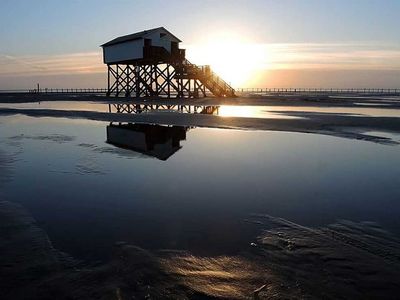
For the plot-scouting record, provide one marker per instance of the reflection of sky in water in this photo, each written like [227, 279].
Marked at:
[63, 105]
[88, 194]
[224, 110]
[271, 111]
[249, 111]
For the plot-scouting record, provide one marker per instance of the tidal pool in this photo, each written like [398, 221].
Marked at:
[247, 111]
[90, 184]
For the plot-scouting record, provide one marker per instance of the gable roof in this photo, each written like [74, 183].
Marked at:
[136, 36]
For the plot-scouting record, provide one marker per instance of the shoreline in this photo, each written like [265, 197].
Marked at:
[310, 100]
[339, 125]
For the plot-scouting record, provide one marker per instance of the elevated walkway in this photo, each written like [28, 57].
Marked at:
[215, 84]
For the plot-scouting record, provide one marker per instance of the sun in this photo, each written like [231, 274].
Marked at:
[237, 61]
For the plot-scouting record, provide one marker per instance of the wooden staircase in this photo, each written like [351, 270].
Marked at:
[215, 84]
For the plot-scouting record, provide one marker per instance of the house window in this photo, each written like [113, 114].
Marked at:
[162, 35]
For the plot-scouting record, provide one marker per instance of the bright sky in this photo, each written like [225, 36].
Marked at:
[258, 43]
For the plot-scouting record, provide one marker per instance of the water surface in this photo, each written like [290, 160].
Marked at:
[223, 110]
[88, 193]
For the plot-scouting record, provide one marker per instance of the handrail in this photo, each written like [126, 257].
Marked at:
[219, 81]
[58, 90]
[391, 91]
[210, 76]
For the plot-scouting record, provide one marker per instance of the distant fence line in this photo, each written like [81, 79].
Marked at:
[238, 90]
[57, 91]
[319, 90]
[79, 91]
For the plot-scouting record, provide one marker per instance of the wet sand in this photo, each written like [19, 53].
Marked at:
[341, 125]
[335, 124]
[287, 261]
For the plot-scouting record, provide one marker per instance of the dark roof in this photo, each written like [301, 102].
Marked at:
[136, 36]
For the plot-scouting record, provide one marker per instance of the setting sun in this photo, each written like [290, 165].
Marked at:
[234, 59]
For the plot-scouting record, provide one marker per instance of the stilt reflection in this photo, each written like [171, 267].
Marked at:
[141, 108]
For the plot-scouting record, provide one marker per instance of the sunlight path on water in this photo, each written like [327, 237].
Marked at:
[274, 112]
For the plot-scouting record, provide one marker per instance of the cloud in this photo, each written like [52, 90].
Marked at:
[322, 64]
[62, 64]
[325, 56]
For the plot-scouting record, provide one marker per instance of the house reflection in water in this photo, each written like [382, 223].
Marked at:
[142, 108]
[150, 139]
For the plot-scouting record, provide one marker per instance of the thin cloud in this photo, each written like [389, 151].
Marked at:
[335, 56]
[324, 56]
[21, 61]
[72, 63]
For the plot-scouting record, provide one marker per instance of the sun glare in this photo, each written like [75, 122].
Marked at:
[234, 59]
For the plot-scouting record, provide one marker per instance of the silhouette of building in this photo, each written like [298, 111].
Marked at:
[151, 64]
[152, 140]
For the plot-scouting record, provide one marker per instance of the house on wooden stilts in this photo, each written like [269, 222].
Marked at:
[151, 64]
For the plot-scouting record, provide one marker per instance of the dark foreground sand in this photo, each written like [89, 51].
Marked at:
[287, 261]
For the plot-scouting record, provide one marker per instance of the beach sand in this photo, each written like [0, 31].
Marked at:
[287, 261]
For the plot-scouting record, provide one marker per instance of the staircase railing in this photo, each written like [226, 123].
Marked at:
[209, 78]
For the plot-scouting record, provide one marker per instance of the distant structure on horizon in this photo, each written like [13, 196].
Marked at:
[151, 64]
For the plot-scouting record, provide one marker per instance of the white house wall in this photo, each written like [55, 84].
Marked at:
[124, 51]
[165, 41]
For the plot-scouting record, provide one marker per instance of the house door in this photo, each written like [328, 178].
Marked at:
[174, 47]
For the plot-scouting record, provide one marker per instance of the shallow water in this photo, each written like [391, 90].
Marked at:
[63, 105]
[223, 110]
[187, 188]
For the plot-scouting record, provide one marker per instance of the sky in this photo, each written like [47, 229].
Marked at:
[254, 43]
